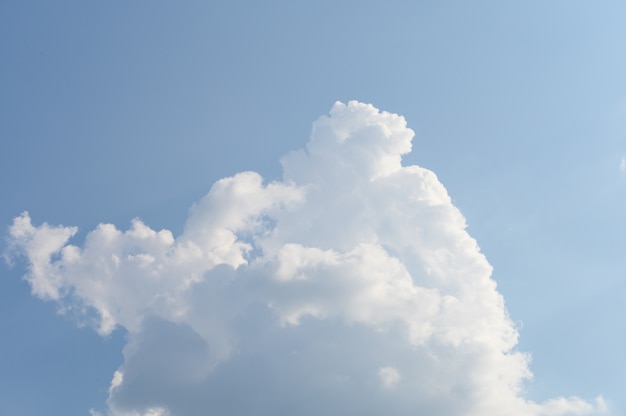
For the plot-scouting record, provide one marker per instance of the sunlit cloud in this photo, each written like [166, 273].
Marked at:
[350, 286]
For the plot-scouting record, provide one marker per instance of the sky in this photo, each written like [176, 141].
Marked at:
[306, 208]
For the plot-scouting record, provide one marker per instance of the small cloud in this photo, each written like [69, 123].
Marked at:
[118, 379]
[389, 377]
[156, 411]
[622, 164]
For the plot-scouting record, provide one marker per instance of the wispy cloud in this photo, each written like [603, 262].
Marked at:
[348, 287]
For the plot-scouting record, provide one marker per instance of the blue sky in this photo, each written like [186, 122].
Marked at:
[115, 111]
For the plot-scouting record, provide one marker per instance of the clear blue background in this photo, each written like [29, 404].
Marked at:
[116, 110]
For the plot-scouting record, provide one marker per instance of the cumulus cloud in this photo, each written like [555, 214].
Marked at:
[350, 286]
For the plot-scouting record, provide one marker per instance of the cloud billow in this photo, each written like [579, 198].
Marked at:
[351, 286]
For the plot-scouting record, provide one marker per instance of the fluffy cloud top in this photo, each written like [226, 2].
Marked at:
[349, 287]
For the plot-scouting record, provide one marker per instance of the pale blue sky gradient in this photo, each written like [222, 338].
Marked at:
[116, 110]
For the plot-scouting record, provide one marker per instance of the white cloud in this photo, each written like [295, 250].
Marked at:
[389, 377]
[118, 378]
[622, 165]
[286, 297]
